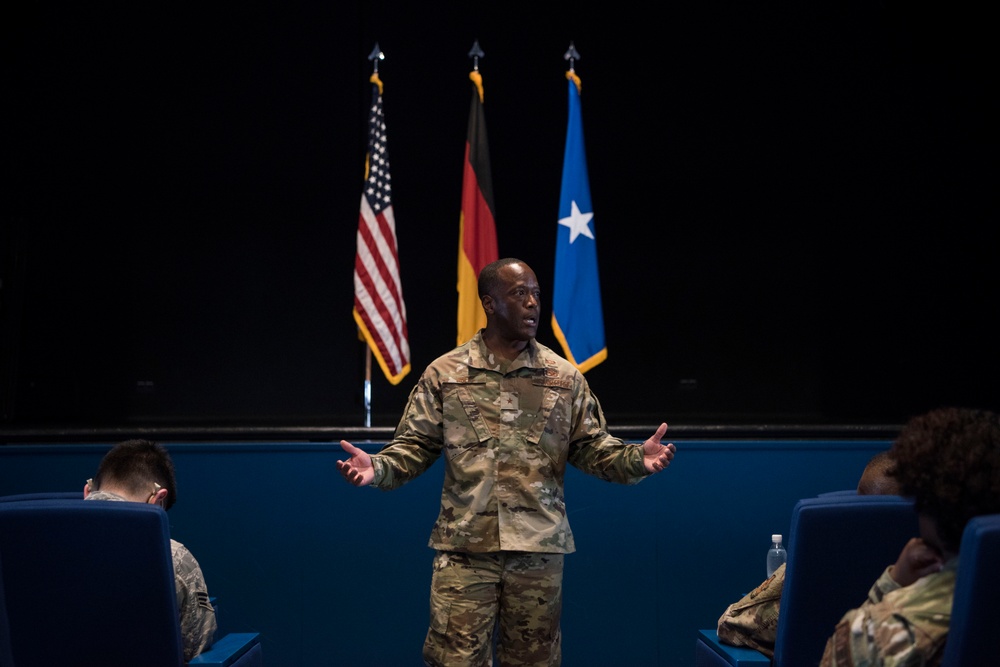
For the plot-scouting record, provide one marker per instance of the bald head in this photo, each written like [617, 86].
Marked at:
[877, 479]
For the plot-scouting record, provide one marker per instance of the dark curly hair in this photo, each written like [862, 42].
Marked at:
[948, 460]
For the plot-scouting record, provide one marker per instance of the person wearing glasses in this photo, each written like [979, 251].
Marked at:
[142, 471]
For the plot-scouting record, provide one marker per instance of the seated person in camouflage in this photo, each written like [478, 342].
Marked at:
[752, 621]
[948, 460]
[141, 471]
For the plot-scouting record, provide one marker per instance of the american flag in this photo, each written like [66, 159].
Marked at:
[378, 293]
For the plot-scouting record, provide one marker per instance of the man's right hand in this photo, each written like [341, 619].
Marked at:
[358, 469]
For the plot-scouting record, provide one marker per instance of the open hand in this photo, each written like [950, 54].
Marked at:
[655, 455]
[358, 469]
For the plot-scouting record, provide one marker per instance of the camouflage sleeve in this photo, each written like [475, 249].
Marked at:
[596, 452]
[753, 619]
[417, 442]
[896, 626]
[883, 585]
[197, 616]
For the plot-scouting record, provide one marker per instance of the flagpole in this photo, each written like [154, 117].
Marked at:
[374, 56]
[368, 386]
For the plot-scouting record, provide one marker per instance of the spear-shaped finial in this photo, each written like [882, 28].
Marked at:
[375, 56]
[571, 55]
[476, 53]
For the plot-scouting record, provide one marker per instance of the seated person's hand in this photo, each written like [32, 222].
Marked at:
[916, 560]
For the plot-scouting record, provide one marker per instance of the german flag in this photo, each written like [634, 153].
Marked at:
[477, 240]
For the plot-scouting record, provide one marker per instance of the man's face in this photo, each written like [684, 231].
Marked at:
[515, 305]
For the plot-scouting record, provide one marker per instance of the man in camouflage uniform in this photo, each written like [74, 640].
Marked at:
[948, 460]
[753, 619]
[507, 414]
[142, 471]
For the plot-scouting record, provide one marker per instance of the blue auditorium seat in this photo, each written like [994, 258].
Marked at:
[91, 584]
[6, 659]
[974, 612]
[838, 546]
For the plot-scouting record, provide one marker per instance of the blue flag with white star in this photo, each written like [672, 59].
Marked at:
[577, 319]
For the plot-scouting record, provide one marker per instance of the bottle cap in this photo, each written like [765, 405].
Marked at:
[776, 538]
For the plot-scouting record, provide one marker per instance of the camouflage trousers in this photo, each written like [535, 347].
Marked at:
[510, 599]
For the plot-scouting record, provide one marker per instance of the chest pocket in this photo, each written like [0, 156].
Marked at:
[465, 426]
[550, 408]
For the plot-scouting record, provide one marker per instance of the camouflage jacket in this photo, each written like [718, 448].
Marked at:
[753, 619]
[506, 431]
[197, 615]
[897, 626]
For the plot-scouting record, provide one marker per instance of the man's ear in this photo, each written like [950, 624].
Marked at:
[86, 488]
[487, 304]
[160, 498]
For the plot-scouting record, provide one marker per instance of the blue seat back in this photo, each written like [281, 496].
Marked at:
[88, 583]
[6, 659]
[975, 615]
[43, 495]
[838, 546]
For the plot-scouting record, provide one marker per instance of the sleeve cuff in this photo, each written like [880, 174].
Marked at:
[378, 466]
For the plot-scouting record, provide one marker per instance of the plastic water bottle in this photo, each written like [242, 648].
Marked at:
[776, 555]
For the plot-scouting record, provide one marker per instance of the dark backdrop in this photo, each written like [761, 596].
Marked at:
[795, 202]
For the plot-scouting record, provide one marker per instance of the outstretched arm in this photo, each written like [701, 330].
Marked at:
[358, 469]
[655, 455]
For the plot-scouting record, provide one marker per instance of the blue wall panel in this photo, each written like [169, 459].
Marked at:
[330, 574]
